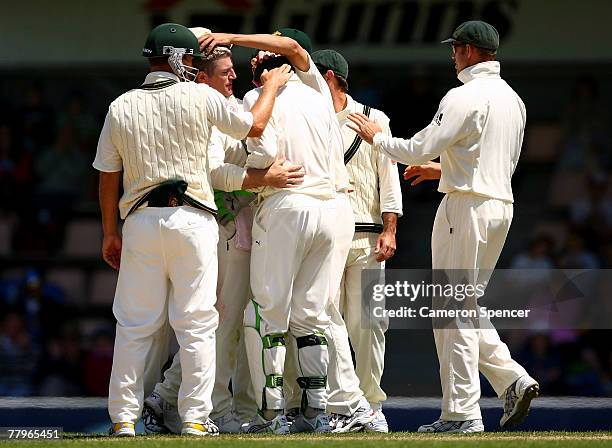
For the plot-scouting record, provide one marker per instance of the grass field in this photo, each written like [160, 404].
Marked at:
[358, 440]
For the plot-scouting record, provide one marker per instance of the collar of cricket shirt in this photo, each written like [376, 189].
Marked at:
[350, 108]
[153, 77]
[488, 69]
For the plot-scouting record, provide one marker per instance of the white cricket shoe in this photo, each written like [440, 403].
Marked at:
[278, 425]
[206, 429]
[354, 422]
[166, 414]
[228, 423]
[447, 426]
[319, 423]
[517, 399]
[122, 429]
[378, 423]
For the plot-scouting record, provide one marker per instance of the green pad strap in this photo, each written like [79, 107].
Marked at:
[312, 382]
[310, 340]
[273, 340]
[274, 380]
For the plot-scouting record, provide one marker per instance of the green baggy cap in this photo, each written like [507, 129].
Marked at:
[331, 60]
[165, 38]
[477, 33]
[299, 36]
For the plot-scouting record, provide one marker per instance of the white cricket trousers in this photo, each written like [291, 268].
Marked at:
[163, 248]
[344, 394]
[367, 339]
[469, 232]
[233, 293]
[293, 238]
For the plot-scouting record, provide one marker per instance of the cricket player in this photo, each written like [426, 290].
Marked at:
[349, 409]
[170, 233]
[293, 234]
[376, 203]
[227, 158]
[477, 132]
[231, 408]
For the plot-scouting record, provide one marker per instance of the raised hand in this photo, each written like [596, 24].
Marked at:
[364, 127]
[209, 41]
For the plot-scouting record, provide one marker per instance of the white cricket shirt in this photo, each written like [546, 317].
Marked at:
[373, 176]
[162, 133]
[303, 130]
[227, 156]
[313, 78]
[477, 132]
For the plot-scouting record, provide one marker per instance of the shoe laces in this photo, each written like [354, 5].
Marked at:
[445, 425]
[149, 418]
[337, 420]
[211, 427]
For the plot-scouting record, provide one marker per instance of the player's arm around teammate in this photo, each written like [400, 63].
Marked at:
[291, 292]
[349, 408]
[273, 43]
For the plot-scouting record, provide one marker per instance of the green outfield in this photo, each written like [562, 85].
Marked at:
[358, 440]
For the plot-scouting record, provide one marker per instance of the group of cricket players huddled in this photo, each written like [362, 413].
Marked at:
[247, 225]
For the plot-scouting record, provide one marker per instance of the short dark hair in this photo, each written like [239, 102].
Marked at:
[269, 64]
[342, 82]
[158, 60]
[485, 51]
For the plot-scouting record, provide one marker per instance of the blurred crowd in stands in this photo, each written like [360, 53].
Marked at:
[46, 347]
[56, 326]
[45, 160]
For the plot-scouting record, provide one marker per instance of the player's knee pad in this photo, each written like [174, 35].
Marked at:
[274, 351]
[313, 360]
[266, 353]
